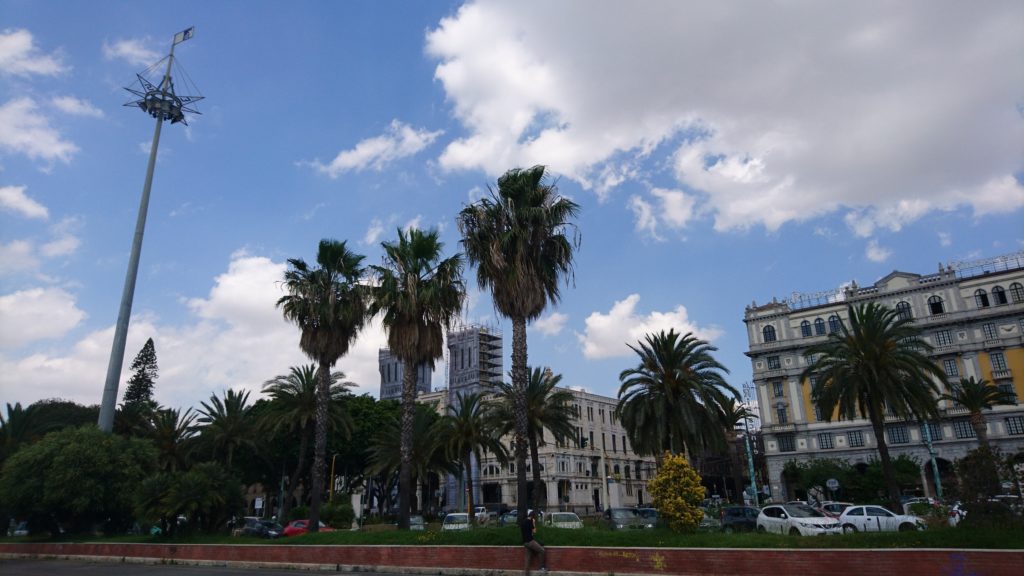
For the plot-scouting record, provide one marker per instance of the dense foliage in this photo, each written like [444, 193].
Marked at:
[677, 493]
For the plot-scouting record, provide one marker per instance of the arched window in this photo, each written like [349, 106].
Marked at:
[833, 324]
[819, 327]
[1017, 292]
[998, 296]
[616, 470]
[805, 329]
[935, 305]
[981, 298]
[769, 333]
[903, 310]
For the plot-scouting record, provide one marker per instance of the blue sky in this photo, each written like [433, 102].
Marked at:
[721, 153]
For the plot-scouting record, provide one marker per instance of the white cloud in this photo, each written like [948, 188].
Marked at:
[877, 253]
[37, 314]
[771, 120]
[14, 199]
[17, 256]
[550, 325]
[76, 107]
[676, 207]
[20, 57]
[945, 239]
[24, 130]
[63, 245]
[135, 51]
[398, 141]
[373, 232]
[607, 334]
[414, 223]
[643, 213]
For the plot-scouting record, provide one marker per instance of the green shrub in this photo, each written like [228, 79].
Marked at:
[677, 493]
[338, 514]
[298, 513]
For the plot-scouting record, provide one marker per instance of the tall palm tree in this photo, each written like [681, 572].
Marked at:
[547, 407]
[292, 411]
[517, 239]
[467, 433]
[976, 396]
[329, 306]
[173, 432]
[673, 399]
[22, 426]
[420, 296]
[877, 363]
[734, 414]
[226, 424]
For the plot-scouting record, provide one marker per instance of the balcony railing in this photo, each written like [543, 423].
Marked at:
[1002, 374]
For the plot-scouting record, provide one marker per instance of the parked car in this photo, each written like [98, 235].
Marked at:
[456, 521]
[253, 526]
[510, 518]
[481, 514]
[650, 517]
[834, 509]
[297, 527]
[911, 501]
[20, 530]
[564, 520]
[416, 522]
[796, 520]
[709, 523]
[877, 519]
[623, 518]
[738, 518]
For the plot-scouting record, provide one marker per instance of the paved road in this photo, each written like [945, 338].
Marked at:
[79, 568]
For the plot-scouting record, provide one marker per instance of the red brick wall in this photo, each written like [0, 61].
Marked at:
[691, 561]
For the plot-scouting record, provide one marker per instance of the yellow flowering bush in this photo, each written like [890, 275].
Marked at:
[677, 493]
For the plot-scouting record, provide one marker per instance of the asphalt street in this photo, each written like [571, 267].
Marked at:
[80, 568]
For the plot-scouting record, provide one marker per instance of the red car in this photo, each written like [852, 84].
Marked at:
[296, 527]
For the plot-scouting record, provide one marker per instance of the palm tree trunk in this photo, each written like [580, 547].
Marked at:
[535, 463]
[878, 425]
[469, 486]
[737, 465]
[980, 429]
[293, 482]
[519, 378]
[323, 399]
[408, 416]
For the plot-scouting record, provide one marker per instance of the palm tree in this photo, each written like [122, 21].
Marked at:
[734, 414]
[976, 396]
[466, 434]
[547, 407]
[420, 296]
[877, 364]
[226, 423]
[173, 433]
[329, 306]
[292, 411]
[673, 399]
[517, 240]
[22, 426]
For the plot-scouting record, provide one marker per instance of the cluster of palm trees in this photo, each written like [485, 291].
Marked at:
[520, 239]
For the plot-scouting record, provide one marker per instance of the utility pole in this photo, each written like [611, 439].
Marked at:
[746, 437]
[161, 103]
[931, 455]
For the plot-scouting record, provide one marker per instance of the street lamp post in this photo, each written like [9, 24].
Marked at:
[931, 455]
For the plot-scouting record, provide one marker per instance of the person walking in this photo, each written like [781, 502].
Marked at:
[529, 528]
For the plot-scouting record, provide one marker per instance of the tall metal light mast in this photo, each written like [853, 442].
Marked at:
[161, 103]
[746, 437]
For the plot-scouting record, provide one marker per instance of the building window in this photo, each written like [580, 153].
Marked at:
[819, 327]
[1017, 292]
[787, 443]
[805, 329]
[943, 338]
[989, 329]
[950, 367]
[897, 434]
[934, 430]
[963, 429]
[817, 413]
[626, 469]
[768, 333]
[781, 415]
[981, 298]
[855, 439]
[999, 296]
[773, 363]
[591, 439]
[903, 311]
[825, 441]
[615, 443]
[935, 305]
[1015, 425]
[1007, 388]
[998, 361]
[777, 391]
[833, 324]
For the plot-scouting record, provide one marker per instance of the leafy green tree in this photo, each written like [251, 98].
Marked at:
[207, 495]
[329, 306]
[369, 417]
[517, 239]
[976, 396]
[226, 424]
[79, 477]
[56, 413]
[22, 426]
[140, 386]
[420, 296]
[173, 434]
[467, 432]
[672, 400]
[877, 364]
[677, 492]
[547, 407]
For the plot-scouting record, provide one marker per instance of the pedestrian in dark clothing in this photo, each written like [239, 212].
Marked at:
[529, 527]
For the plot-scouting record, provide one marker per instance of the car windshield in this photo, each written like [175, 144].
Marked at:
[564, 517]
[415, 519]
[802, 511]
[456, 519]
[623, 513]
[271, 525]
[648, 512]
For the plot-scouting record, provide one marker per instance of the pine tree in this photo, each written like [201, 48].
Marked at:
[140, 386]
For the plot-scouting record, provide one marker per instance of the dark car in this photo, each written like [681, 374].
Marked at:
[623, 518]
[650, 517]
[739, 518]
[261, 528]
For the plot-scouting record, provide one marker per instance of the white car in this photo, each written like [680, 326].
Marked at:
[877, 519]
[456, 521]
[796, 520]
[564, 520]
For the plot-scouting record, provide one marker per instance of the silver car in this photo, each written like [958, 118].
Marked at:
[878, 519]
[565, 520]
[456, 521]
